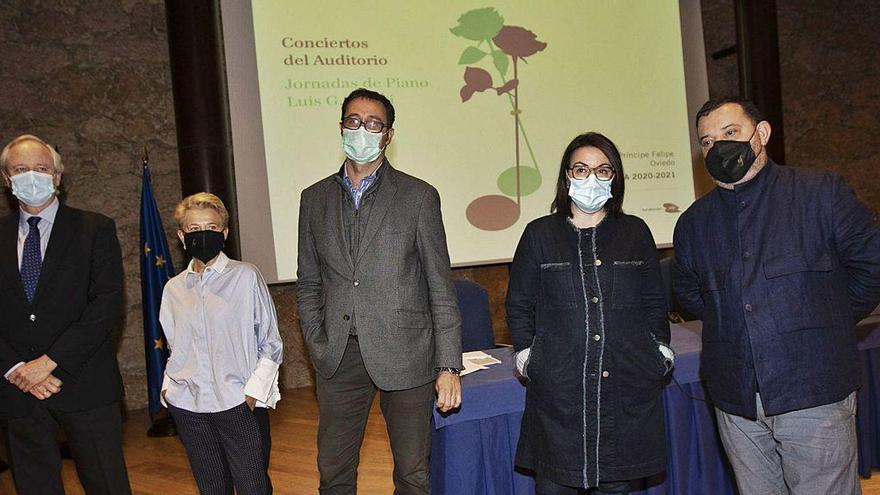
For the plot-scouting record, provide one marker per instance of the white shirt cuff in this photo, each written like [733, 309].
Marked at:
[522, 361]
[667, 352]
[263, 383]
[668, 356]
[6, 375]
[165, 383]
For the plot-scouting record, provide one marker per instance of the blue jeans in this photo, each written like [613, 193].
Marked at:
[804, 452]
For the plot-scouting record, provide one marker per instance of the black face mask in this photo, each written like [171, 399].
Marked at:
[203, 244]
[729, 161]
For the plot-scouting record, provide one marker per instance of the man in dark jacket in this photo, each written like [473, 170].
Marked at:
[61, 287]
[779, 263]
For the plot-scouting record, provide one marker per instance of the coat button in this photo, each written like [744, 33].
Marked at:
[597, 337]
[357, 282]
[605, 374]
[598, 262]
[595, 299]
[346, 317]
[33, 317]
[749, 308]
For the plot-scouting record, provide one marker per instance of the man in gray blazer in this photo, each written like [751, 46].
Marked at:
[377, 306]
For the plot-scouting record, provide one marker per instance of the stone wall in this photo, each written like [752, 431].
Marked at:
[830, 61]
[93, 78]
[829, 55]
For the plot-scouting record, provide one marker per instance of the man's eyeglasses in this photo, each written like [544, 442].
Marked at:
[354, 123]
[580, 171]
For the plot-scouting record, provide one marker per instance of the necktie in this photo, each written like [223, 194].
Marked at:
[31, 259]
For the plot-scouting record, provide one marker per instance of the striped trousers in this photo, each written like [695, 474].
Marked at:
[226, 449]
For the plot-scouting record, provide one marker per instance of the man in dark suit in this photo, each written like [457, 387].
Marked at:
[779, 263]
[61, 289]
[377, 307]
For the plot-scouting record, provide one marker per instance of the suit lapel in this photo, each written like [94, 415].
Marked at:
[384, 199]
[59, 240]
[9, 256]
[334, 216]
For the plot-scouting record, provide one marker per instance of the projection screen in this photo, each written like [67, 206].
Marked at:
[487, 97]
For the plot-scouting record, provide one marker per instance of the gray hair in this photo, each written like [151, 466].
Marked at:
[57, 164]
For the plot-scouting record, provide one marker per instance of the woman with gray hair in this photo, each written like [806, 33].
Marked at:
[222, 374]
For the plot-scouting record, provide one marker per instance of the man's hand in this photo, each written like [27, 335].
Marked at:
[250, 401]
[448, 391]
[47, 388]
[32, 373]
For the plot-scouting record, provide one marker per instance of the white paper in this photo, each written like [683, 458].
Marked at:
[476, 360]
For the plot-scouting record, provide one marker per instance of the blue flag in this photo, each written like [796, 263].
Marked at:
[156, 269]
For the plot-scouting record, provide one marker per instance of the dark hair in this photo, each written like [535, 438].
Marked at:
[748, 107]
[562, 203]
[370, 95]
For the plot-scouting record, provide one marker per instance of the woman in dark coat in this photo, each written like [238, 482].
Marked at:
[587, 314]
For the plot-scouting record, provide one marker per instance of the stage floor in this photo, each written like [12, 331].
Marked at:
[158, 466]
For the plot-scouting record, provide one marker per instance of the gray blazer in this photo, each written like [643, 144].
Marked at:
[398, 285]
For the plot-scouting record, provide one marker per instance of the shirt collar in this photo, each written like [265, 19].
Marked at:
[47, 215]
[219, 264]
[370, 177]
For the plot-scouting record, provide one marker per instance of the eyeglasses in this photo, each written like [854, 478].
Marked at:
[355, 123]
[581, 171]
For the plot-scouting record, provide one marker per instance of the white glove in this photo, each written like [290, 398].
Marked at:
[522, 361]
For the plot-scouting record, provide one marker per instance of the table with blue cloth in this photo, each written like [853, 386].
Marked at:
[473, 449]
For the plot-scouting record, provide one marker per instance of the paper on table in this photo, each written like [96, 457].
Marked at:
[476, 360]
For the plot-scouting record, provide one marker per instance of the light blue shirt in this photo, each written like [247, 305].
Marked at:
[358, 192]
[223, 336]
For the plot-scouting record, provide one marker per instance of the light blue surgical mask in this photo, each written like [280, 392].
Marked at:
[33, 188]
[360, 145]
[590, 194]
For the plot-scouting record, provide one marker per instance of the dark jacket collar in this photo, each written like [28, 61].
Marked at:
[604, 229]
[60, 239]
[753, 187]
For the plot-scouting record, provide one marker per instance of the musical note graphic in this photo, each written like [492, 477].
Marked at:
[505, 45]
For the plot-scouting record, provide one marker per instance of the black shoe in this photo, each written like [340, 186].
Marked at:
[163, 425]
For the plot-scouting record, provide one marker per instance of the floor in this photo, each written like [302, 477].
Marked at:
[159, 465]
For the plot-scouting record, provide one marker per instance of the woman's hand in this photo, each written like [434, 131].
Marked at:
[250, 401]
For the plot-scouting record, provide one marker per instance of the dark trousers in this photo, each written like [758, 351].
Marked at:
[95, 439]
[544, 486]
[344, 403]
[225, 450]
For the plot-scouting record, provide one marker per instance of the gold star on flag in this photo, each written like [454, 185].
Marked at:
[160, 261]
[147, 249]
[159, 343]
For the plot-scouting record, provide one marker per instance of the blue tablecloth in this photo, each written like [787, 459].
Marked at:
[472, 450]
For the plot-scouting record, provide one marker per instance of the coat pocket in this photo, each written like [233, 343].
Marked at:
[412, 319]
[557, 286]
[626, 284]
[797, 289]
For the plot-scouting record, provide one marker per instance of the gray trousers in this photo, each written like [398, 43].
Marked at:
[804, 452]
[344, 403]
